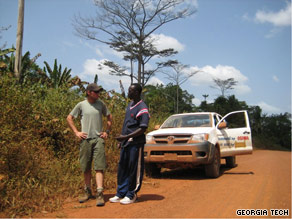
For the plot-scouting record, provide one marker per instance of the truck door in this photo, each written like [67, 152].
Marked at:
[235, 137]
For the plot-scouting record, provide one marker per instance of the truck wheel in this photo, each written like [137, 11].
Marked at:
[212, 170]
[152, 170]
[230, 161]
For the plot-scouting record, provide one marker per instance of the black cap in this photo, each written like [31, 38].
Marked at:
[94, 87]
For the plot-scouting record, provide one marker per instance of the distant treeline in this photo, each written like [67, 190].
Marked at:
[268, 131]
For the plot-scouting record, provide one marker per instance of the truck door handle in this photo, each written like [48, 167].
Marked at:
[246, 132]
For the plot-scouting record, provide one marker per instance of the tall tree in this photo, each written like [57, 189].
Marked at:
[128, 25]
[256, 119]
[161, 99]
[178, 76]
[224, 105]
[18, 53]
[205, 97]
[148, 53]
[224, 85]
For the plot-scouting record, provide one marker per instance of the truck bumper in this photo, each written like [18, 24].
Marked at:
[191, 154]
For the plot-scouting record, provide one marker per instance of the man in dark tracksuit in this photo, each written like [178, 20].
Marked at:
[132, 140]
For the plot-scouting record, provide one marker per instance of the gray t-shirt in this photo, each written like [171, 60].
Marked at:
[91, 116]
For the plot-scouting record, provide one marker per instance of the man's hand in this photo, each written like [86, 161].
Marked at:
[121, 138]
[104, 135]
[81, 135]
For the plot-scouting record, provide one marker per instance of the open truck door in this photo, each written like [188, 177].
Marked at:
[234, 134]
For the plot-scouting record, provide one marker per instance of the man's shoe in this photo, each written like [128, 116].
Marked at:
[86, 196]
[127, 200]
[115, 199]
[99, 199]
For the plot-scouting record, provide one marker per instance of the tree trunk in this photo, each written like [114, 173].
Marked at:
[177, 98]
[19, 38]
[140, 58]
[132, 71]
[139, 69]
[143, 75]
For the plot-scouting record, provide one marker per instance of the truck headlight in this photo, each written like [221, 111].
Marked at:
[199, 138]
[150, 139]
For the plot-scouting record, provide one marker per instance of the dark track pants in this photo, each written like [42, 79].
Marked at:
[130, 170]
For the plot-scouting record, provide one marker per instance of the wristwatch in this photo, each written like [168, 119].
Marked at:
[107, 131]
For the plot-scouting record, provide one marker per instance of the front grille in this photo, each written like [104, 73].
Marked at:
[181, 141]
[182, 153]
[172, 139]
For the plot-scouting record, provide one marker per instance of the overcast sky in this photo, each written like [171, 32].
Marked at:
[248, 40]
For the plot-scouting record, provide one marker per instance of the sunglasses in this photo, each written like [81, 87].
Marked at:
[97, 92]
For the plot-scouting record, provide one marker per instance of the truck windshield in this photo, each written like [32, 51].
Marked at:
[181, 121]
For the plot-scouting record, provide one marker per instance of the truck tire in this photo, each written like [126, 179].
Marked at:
[152, 170]
[230, 161]
[212, 170]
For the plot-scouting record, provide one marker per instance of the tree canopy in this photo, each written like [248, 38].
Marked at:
[224, 85]
[162, 99]
[127, 26]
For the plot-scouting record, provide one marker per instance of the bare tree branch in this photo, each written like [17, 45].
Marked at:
[224, 85]
[178, 76]
[127, 27]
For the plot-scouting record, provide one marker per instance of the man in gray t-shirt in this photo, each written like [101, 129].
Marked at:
[91, 117]
[92, 138]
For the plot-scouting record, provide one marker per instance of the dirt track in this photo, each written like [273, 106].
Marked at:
[260, 181]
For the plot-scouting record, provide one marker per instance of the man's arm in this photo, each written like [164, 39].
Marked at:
[143, 116]
[138, 132]
[108, 127]
[80, 135]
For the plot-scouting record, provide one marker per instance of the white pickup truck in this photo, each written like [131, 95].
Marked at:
[192, 139]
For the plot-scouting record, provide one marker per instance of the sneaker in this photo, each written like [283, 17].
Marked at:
[127, 200]
[86, 196]
[115, 199]
[99, 199]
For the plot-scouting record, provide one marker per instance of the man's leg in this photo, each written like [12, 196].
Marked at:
[99, 179]
[122, 177]
[136, 170]
[99, 166]
[85, 163]
[87, 178]
[135, 174]
[123, 173]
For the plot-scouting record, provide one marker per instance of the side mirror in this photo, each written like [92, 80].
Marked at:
[222, 125]
[156, 127]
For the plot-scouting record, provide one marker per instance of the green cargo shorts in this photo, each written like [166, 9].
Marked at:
[92, 150]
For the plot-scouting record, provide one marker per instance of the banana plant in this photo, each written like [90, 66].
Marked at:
[29, 69]
[76, 81]
[56, 77]
[95, 79]
[6, 51]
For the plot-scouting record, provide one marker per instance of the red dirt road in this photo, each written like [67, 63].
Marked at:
[260, 181]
